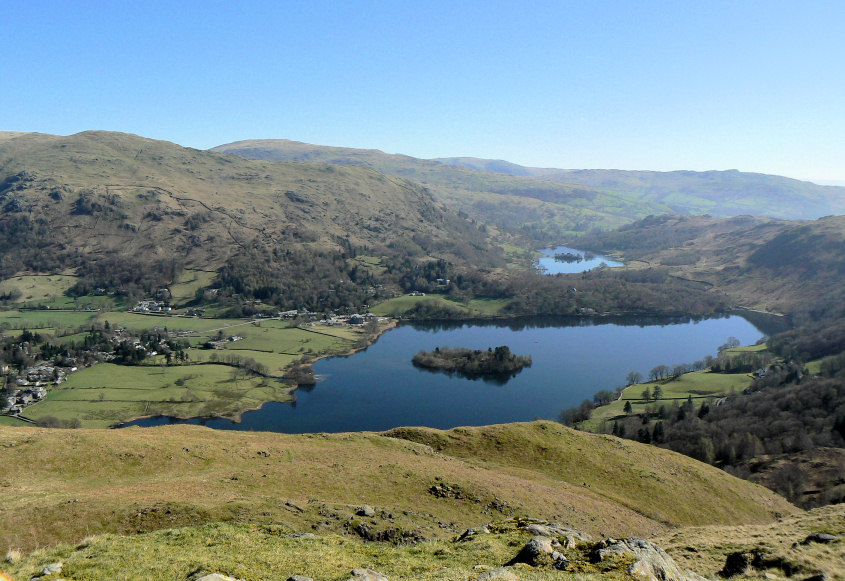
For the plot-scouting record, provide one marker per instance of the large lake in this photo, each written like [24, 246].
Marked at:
[379, 388]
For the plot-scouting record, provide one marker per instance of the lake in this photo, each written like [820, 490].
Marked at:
[547, 263]
[379, 388]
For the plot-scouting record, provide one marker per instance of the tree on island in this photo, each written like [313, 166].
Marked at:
[472, 362]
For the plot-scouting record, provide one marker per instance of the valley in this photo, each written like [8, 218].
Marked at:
[146, 283]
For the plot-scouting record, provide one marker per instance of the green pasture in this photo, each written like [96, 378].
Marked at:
[43, 319]
[36, 288]
[189, 282]
[138, 321]
[12, 421]
[106, 394]
[698, 384]
[482, 307]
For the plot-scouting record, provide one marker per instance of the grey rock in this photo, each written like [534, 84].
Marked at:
[500, 573]
[559, 561]
[301, 536]
[366, 511]
[366, 575]
[532, 552]
[52, 568]
[217, 577]
[819, 538]
[474, 532]
[299, 578]
[570, 537]
[652, 564]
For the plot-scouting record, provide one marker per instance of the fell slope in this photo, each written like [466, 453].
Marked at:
[495, 198]
[97, 193]
[62, 485]
[772, 265]
[720, 193]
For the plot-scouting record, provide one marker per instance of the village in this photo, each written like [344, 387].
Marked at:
[31, 370]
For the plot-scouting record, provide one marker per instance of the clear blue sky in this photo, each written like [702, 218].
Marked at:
[756, 86]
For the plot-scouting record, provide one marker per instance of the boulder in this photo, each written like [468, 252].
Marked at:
[53, 568]
[736, 564]
[217, 577]
[570, 537]
[299, 578]
[652, 563]
[366, 511]
[366, 575]
[534, 552]
[500, 573]
[819, 538]
[474, 532]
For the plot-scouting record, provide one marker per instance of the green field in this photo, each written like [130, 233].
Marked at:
[44, 319]
[478, 307]
[36, 288]
[701, 385]
[189, 282]
[106, 394]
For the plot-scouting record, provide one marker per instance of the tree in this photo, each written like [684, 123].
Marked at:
[633, 377]
[658, 392]
[647, 394]
[628, 408]
[603, 397]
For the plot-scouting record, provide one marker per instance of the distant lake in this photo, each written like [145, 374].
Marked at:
[379, 388]
[549, 265]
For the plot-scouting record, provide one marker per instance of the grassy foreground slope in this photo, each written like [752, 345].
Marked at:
[62, 485]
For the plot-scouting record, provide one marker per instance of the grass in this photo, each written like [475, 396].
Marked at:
[106, 394]
[189, 282]
[37, 288]
[269, 552]
[779, 541]
[698, 384]
[63, 485]
[479, 307]
[46, 318]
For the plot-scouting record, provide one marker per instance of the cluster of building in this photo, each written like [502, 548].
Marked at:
[30, 386]
[151, 306]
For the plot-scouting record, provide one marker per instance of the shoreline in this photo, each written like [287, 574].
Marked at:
[236, 417]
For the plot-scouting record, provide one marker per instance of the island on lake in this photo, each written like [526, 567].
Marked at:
[473, 362]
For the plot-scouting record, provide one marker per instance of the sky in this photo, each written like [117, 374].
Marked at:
[754, 86]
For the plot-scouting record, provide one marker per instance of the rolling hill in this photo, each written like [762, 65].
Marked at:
[719, 193]
[100, 201]
[62, 485]
[533, 206]
[560, 200]
[774, 265]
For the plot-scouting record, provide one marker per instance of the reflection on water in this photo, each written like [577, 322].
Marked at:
[379, 388]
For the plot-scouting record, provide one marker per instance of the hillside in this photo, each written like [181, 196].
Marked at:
[135, 205]
[436, 483]
[534, 206]
[719, 193]
[773, 265]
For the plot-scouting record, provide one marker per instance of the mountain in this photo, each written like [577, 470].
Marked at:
[95, 197]
[526, 204]
[719, 193]
[774, 265]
